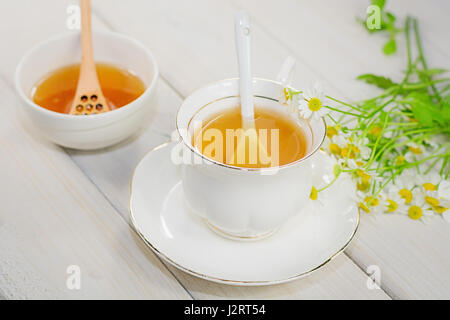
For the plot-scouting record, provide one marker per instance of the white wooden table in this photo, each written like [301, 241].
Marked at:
[62, 207]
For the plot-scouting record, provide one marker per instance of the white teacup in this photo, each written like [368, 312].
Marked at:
[244, 203]
[90, 132]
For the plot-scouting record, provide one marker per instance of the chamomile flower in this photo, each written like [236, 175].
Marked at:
[414, 152]
[430, 181]
[352, 163]
[399, 160]
[364, 151]
[392, 202]
[336, 144]
[340, 139]
[289, 99]
[403, 186]
[285, 95]
[418, 208]
[432, 198]
[312, 103]
[414, 148]
[333, 130]
[364, 180]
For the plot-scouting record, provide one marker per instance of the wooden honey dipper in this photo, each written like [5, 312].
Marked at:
[89, 98]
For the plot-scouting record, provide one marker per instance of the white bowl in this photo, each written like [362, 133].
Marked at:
[96, 131]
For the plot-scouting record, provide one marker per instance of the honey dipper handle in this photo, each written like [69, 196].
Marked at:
[88, 72]
[89, 98]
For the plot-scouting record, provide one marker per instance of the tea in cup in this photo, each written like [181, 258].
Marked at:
[276, 139]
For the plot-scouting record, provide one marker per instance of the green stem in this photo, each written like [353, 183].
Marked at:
[345, 112]
[414, 164]
[332, 181]
[345, 104]
[384, 185]
[422, 58]
[389, 146]
[369, 163]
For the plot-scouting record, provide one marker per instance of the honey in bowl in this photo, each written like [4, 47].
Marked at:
[278, 139]
[56, 91]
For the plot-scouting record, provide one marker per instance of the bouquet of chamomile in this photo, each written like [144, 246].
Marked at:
[396, 145]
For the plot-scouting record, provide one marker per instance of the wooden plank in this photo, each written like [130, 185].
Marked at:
[413, 257]
[340, 279]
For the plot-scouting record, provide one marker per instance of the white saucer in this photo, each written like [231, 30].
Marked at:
[299, 247]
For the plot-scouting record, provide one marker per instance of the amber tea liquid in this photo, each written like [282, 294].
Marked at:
[218, 138]
[56, 91]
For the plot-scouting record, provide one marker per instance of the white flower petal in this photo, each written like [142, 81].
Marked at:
[444, 189]
[446, 216]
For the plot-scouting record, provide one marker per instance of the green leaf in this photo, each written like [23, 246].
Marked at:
[390, 47]
[446, 88]
[422, 115]
[445, 112]
[431, 72]
[423, 108]
[390, 17]
[379, 81]
[379, 3]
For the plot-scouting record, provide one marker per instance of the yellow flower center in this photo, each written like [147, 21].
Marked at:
[400, 160]
[375, 131]
[414, 150]
[313, 194]
[440, 209]
[364, 176]
[429, 186]
[363, 185]
[415, 212]
[314, 104]
[331, 131]
[406, 195]
[350, 151]
[286, 94]
[432, 201]
[392, 206]
[371, 201]
[334, 148]
[364, 207]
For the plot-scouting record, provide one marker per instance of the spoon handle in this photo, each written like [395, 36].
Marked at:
[242, 35]
[89, 98]
[88, 71]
